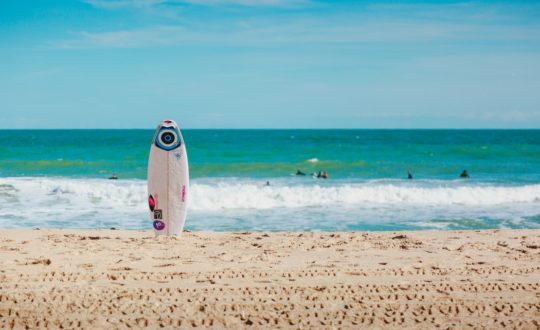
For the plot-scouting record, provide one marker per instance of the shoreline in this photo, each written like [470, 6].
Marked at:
[399, 279]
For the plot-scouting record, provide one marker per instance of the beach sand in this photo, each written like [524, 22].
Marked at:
[129, 279]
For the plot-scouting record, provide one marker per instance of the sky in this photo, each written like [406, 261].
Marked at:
[269, 64]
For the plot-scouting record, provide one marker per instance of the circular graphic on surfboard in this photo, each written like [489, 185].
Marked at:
[168, 138]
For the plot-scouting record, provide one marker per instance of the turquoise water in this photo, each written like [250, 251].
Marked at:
[57, 178]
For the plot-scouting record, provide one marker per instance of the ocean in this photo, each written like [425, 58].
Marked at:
[59, 179]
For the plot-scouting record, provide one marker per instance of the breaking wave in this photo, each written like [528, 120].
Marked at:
[96, 202]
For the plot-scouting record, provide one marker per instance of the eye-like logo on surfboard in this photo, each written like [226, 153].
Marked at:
[168, 137]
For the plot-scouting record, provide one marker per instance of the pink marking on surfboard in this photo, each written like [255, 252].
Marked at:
[151, 203]
[183, 193]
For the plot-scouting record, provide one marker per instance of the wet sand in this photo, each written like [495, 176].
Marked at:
[129, 279]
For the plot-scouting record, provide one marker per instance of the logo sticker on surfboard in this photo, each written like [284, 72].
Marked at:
[159, 225]
[151, 203]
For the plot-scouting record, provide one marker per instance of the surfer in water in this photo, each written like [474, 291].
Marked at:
[409, 174]
[298, 172]
[322, 175]
[464, 175]
[113, 177]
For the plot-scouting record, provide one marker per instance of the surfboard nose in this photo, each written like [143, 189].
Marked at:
[168, 123]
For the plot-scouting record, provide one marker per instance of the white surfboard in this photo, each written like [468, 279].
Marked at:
[168, 180]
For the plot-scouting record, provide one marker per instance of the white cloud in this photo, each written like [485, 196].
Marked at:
[513, 115]
[380, 23]
[249, 3]
[118, 4]
[144, 37]
[292, 30]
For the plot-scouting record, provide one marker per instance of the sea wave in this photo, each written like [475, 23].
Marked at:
[242, 204]
[251, 196]
[222, 194]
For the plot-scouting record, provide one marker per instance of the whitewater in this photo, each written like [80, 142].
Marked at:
[287, 204]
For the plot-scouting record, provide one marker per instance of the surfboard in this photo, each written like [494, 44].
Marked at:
[168, 180]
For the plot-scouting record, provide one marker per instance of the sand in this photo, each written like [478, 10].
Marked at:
[128, 279]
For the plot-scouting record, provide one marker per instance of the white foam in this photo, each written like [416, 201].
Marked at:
[313, 160]
[255, 196]
[23, 200]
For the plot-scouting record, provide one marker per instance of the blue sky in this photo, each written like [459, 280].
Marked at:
[269, 64]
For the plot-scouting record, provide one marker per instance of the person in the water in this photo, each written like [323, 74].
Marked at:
[298, 172]
[409, 174]
[464, 175]
[113, 177]
[322, 175]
